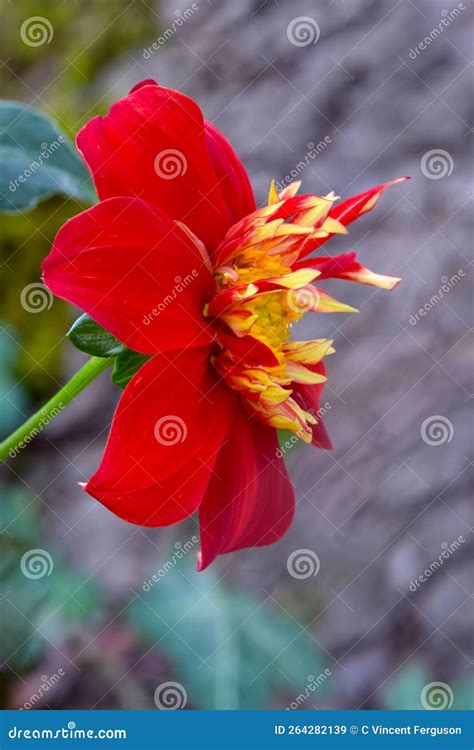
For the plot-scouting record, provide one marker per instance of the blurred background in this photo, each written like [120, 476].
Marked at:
[366, 602]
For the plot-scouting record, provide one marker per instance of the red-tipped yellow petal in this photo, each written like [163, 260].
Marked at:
[298, 373]
[308, 352]
[364, 275]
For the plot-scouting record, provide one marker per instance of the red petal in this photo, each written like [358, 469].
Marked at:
[309, 398]
[250, 500]
[346, 267]
[352, 208]
[166, 433]
[233, 178]
[136, 272]
[246, 350]
[327, 265]
[141, 84]
[152, 145]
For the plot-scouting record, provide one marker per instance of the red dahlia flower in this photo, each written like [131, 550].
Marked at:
[178, 262]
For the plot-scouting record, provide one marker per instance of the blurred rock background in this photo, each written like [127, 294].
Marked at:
[344, 95]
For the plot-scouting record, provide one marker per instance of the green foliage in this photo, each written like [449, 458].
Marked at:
[229, 650]
[58, 78]
[405, 690]
[35, 612]
[89, 337]
[26, 240]
[126, 365]
[85, 38]
[37, 160]
[13, 399]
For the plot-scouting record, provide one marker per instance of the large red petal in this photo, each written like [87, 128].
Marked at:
[231, 173]
[152, 145]
[249, 501]
[166, 434]
[233, 178]
[136, 272]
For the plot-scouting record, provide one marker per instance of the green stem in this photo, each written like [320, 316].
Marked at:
[33, 426]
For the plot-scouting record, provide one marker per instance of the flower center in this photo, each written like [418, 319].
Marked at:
[257, 305]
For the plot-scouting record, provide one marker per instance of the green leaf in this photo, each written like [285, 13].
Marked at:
[13, 397]
[89, 337]
[229, 649]
[126, 365]
[37, 612]
[37, 160]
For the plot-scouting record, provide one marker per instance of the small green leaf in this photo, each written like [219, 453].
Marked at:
[126, 365]
[89, 337]
[37, 160]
